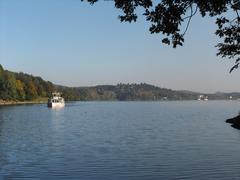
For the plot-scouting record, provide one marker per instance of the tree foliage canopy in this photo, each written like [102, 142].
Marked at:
[171, 18]
[20, 86]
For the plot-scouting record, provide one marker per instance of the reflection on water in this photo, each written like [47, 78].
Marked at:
[120, 140]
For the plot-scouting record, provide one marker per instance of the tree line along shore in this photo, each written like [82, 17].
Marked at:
[22, 88]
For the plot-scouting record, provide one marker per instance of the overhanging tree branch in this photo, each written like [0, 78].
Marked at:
[167, 16]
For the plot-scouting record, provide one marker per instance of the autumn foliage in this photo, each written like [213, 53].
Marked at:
[20, 86]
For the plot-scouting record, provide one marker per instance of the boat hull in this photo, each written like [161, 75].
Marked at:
[56, 105]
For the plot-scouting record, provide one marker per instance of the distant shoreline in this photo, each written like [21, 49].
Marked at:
[8, 103]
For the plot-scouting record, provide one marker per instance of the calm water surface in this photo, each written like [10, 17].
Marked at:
[120, 140]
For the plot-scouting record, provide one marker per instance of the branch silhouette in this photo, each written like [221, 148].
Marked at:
[167, 17]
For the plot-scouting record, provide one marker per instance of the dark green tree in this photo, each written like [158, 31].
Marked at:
[171, 18]
[9, 86]
[1, 78]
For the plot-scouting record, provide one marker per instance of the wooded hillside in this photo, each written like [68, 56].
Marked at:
[22, 87]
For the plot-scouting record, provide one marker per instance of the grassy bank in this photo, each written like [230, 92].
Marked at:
[41, 100]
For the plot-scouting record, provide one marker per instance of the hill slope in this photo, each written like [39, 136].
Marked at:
[125, 92]
[21, 86]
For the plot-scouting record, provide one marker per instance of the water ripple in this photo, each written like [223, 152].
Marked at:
[120, 140]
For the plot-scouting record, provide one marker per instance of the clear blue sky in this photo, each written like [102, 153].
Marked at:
[72, 43]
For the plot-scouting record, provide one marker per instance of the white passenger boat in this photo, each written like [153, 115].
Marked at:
[56, 101]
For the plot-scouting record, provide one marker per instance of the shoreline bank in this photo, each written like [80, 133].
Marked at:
[7, 103]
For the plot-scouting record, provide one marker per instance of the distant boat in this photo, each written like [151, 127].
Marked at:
[56, 101]
[203, 98]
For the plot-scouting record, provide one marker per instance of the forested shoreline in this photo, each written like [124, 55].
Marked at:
[21, 87]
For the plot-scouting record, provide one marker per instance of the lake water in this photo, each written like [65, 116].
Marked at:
[120, 140]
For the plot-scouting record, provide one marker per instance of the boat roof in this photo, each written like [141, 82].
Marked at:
[56, 94]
